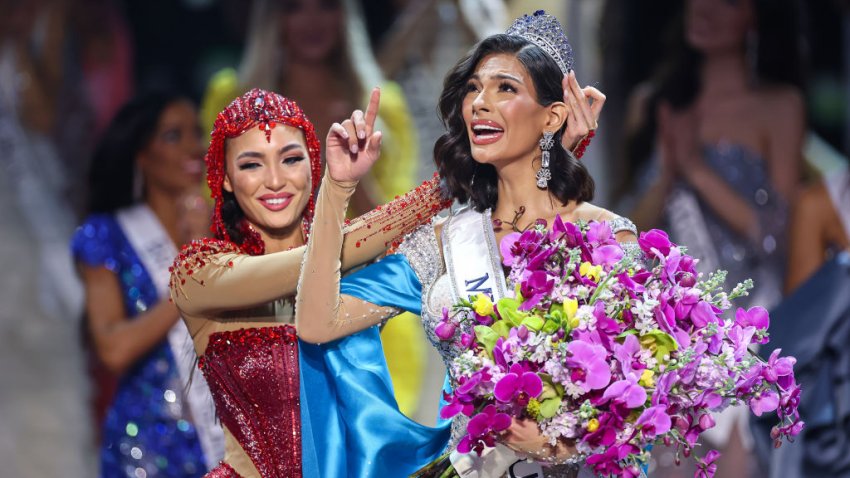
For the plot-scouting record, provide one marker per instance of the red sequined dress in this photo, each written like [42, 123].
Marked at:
[243, 304]
[253, 377]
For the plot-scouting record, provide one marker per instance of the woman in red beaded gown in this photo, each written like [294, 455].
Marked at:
[236, 292]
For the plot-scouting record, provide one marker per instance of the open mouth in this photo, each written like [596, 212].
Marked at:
[276, 202]
[486, 132]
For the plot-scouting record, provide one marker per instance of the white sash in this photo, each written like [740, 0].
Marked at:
[474, 264]
[472, 256]
[156, 252]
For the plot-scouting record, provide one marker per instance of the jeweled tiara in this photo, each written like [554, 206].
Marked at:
[545, 31]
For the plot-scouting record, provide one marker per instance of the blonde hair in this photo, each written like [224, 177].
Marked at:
[264, 59]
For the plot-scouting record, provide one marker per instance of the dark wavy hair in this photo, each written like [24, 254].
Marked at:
[113, 167]
[469, 181]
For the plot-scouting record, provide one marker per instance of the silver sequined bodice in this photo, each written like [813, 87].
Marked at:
[423, 252]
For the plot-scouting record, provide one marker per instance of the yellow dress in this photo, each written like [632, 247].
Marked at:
[403, 338]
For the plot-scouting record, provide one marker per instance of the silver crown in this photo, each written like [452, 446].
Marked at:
[545, 31]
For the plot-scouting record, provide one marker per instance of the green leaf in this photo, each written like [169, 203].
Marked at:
[502, 327]
[486, 337]
[549, 389]
[659, 342]
[549, 407]
[551, 326]
[625, 334]
[533, 322]
[508, 310]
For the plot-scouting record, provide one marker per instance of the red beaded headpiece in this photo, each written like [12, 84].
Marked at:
[263, 109]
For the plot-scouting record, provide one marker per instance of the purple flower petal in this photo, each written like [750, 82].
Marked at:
[607, 255]
[655, 239]
[506, 388]
[506, 248]
[531, 384]
[766, 401]
[501, 421]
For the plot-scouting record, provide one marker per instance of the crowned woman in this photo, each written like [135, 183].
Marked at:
[503, 160]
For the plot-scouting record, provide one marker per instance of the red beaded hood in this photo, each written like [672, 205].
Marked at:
[265, 110]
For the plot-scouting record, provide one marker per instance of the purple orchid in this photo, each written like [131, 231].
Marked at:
[703, 314]
[534, 289]
[445, 330]
[779, 370]
[483, 429]
[606, 434]
[462, 398]
[626, 354]
[607, 255]
[608, 462]
[573, 235]
[599, 233]
[506, 247]
[706, 468]
[654, 421]
[518, 386]
[756, 317]
[590, 369]
[655, 243]
[466, 340]
[626, 392]
[764, 401]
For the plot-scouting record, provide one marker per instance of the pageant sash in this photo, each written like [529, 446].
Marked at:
[474, 265]
[472, 255]
[156, 251]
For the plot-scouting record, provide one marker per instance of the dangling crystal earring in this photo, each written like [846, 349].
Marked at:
[544, 174]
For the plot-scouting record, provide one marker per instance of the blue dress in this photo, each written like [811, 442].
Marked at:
[147, 430]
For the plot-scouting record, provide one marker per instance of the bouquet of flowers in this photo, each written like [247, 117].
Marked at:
[611, 350]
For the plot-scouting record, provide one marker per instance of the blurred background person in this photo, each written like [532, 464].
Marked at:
[721, 130]
[820, 226]
[318, 53]
[422, 43]
[42, 400]
[145, 202]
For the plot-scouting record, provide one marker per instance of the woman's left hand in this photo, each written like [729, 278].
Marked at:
[585, 106]
[524, 436]
[352, 147]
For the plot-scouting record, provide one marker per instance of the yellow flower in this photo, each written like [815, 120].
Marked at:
[590, 271]
[482, 305]
[592, 425]
[647, 378]
[533, 407]
[570, 308]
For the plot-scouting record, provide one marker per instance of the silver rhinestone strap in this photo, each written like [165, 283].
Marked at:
[620, 224]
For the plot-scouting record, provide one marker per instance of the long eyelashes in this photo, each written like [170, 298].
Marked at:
[287, 161]
[503, 86]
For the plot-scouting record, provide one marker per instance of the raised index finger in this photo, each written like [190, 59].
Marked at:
[372, 110]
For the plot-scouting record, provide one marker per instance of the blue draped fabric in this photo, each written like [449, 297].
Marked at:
[351, 424]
